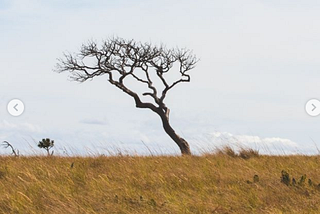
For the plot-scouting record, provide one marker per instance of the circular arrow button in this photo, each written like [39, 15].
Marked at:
[15, 107]
[313, 107]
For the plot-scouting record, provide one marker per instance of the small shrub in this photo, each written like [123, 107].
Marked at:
[285, 178]
[294, 181]
[2, 174]
[256, 179]
[302, 180]
[152, 202]
[46, 144]
[227, 150]
[248, 153]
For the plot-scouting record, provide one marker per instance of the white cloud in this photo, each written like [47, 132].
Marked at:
[269, 145]
[94, 121]
[277, 140]
[19, 127]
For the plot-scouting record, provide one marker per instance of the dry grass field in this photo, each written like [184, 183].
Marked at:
[223, 182]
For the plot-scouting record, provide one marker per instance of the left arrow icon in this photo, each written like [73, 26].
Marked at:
[15, 107]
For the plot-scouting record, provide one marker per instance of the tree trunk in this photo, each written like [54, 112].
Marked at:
[182, 143]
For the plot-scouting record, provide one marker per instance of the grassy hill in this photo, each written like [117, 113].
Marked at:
[220, 183]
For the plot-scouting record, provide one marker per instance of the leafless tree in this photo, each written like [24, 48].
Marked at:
[6, 144]
[144, 63]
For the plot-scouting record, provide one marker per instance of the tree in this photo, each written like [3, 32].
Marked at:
[6, 144]
[123, 60]
[46, 144]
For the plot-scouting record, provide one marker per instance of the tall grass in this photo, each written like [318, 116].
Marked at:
[222, 182]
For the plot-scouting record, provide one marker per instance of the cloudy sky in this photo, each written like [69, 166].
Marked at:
[259, 65]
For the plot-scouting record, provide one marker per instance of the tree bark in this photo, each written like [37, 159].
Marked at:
[182, 143]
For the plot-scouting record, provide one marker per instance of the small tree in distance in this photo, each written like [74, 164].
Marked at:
[143, 63]
[15, 152]
[46, 144]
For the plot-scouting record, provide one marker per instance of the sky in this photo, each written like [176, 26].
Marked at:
[259, 65]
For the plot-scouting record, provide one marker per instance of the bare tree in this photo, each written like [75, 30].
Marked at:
[142, 62]
[6, 144]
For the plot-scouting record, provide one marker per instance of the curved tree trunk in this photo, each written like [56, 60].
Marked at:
[182, 143]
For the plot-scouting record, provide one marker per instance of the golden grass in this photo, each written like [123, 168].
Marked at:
[215, 183]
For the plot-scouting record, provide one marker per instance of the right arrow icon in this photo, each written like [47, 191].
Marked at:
[312, 107]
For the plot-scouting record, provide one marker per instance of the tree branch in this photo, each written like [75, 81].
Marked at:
[124, 58]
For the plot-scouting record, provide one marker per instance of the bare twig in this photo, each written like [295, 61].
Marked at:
[6, 144]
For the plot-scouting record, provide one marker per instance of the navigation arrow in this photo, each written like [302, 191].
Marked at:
[313, 107]
[15, 107]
